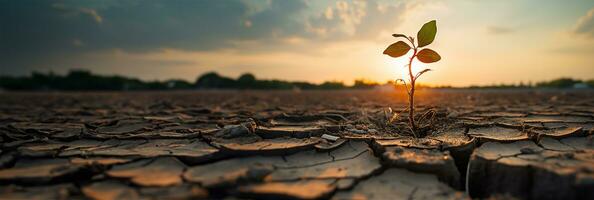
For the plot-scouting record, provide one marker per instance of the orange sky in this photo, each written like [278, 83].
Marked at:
[481, 42]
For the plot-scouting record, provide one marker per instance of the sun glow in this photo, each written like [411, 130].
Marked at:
[399, 67]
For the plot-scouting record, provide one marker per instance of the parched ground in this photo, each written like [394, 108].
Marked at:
[526, 144]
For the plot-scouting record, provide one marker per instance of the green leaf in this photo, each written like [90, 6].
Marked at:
[428, 56]
[426, 35]
[397, 35]
[397, 49]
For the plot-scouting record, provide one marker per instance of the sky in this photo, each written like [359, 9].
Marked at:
[481, 42]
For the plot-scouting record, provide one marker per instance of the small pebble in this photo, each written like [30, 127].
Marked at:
[330, 137]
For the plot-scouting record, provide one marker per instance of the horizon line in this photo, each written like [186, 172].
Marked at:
[345, 82]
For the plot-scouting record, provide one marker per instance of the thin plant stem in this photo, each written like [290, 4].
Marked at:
[411, 93]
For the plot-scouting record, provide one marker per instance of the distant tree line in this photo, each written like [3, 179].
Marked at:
[556, 83]
[85, 80]
[80, 80]
[213, 80]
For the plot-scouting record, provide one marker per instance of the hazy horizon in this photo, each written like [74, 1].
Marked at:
[347, 82]
[481, 43]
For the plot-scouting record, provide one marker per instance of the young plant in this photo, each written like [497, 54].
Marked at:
[425, 36]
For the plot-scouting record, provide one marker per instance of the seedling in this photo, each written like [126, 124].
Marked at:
[425, 36]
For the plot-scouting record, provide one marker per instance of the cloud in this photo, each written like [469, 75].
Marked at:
[357, 19]
[146, 26]
[79, 11]
[499, 30]
[37, 34]
[585, 25]
[33, 31]
[92, 13]
[581, 49]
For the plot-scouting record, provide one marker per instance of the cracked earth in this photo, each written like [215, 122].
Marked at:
[296, 145]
